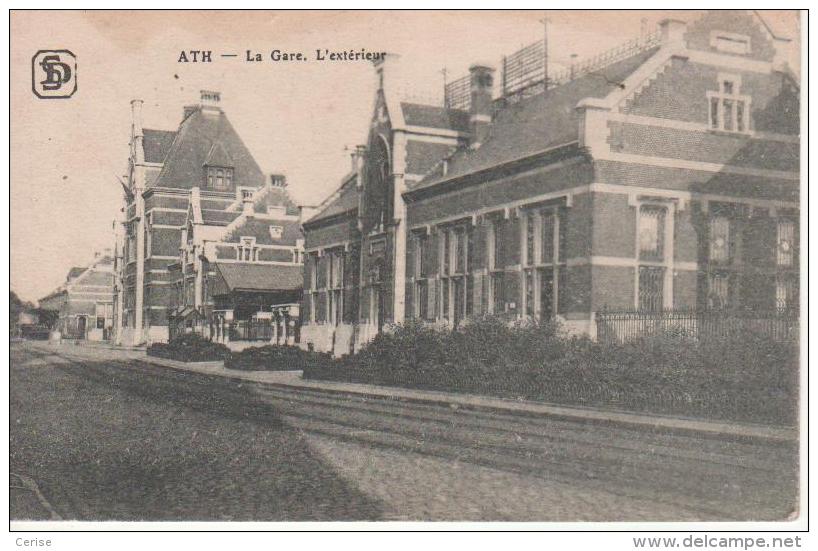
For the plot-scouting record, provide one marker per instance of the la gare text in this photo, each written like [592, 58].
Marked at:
[252, 56]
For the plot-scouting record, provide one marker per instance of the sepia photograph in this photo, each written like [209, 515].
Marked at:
[407, 268]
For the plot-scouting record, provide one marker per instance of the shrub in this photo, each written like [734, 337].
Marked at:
[189, 348]
[275, 358]
[748, 377]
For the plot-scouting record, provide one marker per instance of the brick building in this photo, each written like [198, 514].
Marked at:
[194, 200]
[661, 175]
[239, 273]
[85, 302]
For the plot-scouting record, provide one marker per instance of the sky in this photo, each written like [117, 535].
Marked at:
[297, 118]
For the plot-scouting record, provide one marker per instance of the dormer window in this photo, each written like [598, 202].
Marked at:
[219, 178]
[730, 43]
[276, 232]
[247, 250]
[728, 109]
[246, 194]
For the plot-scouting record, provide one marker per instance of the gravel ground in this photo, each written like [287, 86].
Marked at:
[106, 447]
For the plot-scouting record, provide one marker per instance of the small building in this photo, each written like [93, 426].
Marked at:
[85, 302]
[661, 176]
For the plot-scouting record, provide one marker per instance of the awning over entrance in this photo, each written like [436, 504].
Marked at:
[231, 277]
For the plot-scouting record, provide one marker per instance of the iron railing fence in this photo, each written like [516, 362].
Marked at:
[251, 330]
[523, 75]
[621, 326]
[457, 94]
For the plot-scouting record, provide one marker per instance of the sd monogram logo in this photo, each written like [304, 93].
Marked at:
[54, 74]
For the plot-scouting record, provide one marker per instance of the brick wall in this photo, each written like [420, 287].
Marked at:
[575, 172]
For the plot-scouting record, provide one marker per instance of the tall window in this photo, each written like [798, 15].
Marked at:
[651, 288]
[313, 289]
[543, 239]
[651, 272]
[729, 110]
[456, 277]
[785, 243]
[786, 284]
[720, 276]
[720, 239]
[786, 291]
[494, 256]
[219, 178]
[335, 286]
[421, 256]
[651, 233]
[718, 295]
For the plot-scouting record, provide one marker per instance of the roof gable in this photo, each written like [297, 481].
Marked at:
[742, 22]
[197, 138]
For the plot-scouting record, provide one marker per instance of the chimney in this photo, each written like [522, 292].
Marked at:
[247, 207]
[136, 117]
[672, 31]
[358, 163]
[209, 100]
[482, 86]
[278, 180]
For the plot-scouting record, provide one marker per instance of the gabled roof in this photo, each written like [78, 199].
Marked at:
[260, 229]
[193, 143]
[156, 144]
[536, 123]
[431, 116]
[344, 199]
[240, 276]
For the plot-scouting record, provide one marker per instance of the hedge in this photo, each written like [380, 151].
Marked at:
[745, 378]
[189, 348]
